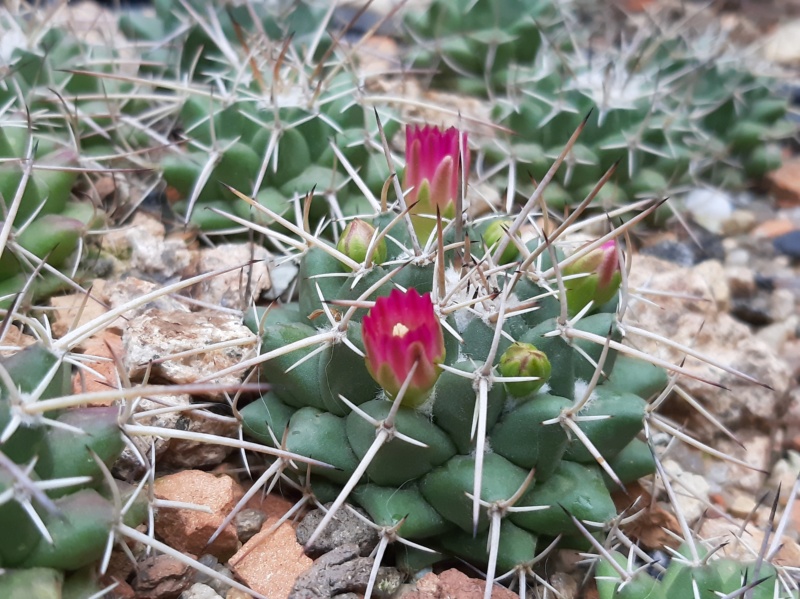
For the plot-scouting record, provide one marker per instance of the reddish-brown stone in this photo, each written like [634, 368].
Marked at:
[189, 530]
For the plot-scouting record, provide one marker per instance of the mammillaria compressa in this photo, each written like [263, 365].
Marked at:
[403, 339]
[432, 173]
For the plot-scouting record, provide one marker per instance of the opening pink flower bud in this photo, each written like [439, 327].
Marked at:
[401, 329]
[432, 160]
[602, 280]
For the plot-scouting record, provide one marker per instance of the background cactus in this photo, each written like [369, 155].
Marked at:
[678, 110]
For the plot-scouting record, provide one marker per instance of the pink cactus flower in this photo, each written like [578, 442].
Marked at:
[398, 331]
[603, 280]
[432, 170]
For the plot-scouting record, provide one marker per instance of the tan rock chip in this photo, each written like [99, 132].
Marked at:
[270, 562]
[189, 530]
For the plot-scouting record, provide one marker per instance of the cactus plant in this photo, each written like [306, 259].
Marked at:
[416, 381]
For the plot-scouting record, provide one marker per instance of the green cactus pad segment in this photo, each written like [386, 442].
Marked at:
[44, 286]
[137, 26]
[137, 510]
[27, 369]
[203, 217]
[298, 387]
[445, 488]
[65, 453]
[641, 585]
[733, 575]
[418, 277]
[313, 266]
[348, 291]
[647, 183]
[270, 198]
[237, 166]
[80, 532]
[20, 533]
[389, 505]
[626, 414]
[577, 488]
[275, 314]
[319, 435]
[768, 110]
[351, 143]
[517, 546]
[42, 583]
[764, 159]
[36, 192]
[631, 375]
[632, 463]
[375, 172]
[292, 156]
[266, 413]
[313, 177]
[478, 340]
[398, 462]
[547, 306]
[199, 115]
[81, 584]
[85, 212]
[397, 239]
[560, 353]
[454, 407]
[411, 560]
[521, 437]
[603, 325]
[324, 490]
[181, 171]
[744, 136]
[340, 366]
[51, 235]
[679, 577]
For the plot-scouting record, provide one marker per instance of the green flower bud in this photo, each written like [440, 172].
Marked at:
[495, 233]
[355, 241]
[602, 280]
[524, 360]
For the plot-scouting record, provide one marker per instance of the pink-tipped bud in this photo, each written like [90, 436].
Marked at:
[400, 330]
[602, 280]
[355, 241]
[432, 171]
[524, 360]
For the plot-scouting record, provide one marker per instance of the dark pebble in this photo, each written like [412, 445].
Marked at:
[788, 244]
[672, 251]
[754, 310]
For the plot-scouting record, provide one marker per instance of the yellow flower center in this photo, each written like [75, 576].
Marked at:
[399, 330]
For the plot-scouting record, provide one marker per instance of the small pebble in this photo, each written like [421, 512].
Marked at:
[200, 591]
[739, 222]
[345, 528]
[248, 523]
[788, 244]
[742, 505]
[710, 208]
